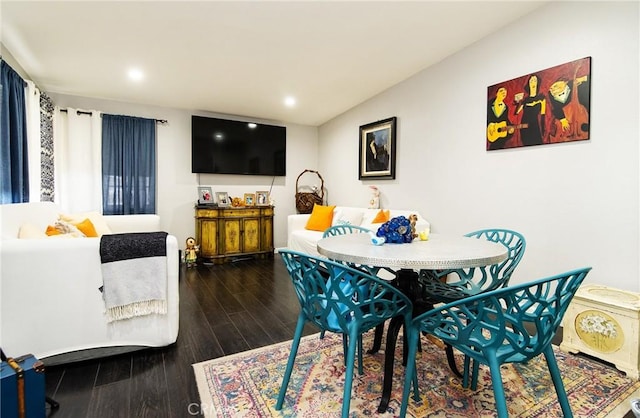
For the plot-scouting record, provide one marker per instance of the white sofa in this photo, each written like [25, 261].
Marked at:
[301, 239]
[50, 303]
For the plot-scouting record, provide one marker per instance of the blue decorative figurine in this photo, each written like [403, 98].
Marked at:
[397, 230]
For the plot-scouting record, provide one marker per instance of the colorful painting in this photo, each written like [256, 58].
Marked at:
[545, 107]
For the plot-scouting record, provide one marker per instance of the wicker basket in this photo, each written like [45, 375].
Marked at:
[306, 200]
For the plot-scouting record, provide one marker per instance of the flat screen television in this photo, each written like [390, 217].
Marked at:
[222, 146]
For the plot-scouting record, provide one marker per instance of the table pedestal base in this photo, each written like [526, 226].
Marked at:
[408, 284]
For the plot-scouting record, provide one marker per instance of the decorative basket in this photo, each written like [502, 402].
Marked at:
[306, 200]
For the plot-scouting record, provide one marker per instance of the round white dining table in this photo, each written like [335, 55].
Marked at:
[439, 252]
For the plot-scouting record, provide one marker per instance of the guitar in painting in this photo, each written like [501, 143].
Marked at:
[499, 130]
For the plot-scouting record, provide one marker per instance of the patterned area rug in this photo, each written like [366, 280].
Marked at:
[247, 384]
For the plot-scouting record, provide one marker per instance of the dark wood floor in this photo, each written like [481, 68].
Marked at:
[224, 309]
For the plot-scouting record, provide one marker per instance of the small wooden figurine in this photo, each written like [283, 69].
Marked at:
[191, 252]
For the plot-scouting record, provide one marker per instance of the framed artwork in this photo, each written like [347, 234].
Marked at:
[249, 199]
[223, 199]
[205, 195]
[377, 146]
[544, 107]
[262, 198]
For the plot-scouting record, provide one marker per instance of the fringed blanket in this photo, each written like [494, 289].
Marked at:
[134, 274]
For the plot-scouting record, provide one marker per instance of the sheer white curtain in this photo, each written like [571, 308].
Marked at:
[32, 105]
[77, 151]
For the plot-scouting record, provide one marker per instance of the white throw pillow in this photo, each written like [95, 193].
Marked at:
[30, 231]
[347, 216]
[96, 219]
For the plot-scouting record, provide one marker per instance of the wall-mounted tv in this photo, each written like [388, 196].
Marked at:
[222, 146]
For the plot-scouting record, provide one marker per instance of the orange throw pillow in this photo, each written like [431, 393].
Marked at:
[381, 217]
[87, 228]
[321, 218]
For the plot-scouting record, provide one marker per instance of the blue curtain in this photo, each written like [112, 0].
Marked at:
[14, 166]
[128, 165]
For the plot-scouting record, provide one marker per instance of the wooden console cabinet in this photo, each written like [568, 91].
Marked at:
[228, 233]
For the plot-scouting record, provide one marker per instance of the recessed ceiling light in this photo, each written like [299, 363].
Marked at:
[290, 101]
[136, 74]
[252, 125]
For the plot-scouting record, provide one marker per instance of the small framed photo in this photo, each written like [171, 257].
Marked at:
[223, 199]
[262, 198]
[378, 150]
[205, 195]
[249, 199]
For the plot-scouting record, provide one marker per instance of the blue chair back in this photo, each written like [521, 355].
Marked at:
[500, 274]
[466, 282]
[336, 297]
[343, 229]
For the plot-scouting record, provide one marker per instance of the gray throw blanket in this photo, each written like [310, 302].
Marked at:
[134, 274]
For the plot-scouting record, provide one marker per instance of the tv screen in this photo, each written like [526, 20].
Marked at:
[222, 146]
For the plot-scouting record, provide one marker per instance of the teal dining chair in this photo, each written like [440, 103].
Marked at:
[462, 283]
[390, 275]
[444, 286]
[337, 298]
[508, 325]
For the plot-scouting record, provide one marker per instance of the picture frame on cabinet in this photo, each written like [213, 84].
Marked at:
[262, 198]
[249, 199]
[205, 195]
[223, 199]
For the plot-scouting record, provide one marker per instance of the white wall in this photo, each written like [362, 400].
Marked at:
[576, 203]
[177, 186]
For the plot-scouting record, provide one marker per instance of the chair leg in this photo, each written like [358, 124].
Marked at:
[474, 374]
[498, 388]
[348, 378]
[345, 348]
[359, 348]
[465, 376]
[292, 357]
[557, 381]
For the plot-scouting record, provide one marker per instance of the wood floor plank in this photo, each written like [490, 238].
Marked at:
[75, 389]
[149, 390]
[182, 389]
[102, 400]
[114, 369]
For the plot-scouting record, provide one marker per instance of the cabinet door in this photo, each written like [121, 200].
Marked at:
[267, 234]
[251, 235]
[208, 235]
[232, 239]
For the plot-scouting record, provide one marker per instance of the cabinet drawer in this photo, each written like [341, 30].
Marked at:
[240, 213]
[207, 213]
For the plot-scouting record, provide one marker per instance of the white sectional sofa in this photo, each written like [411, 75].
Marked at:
[301, 239]
[50, 302]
